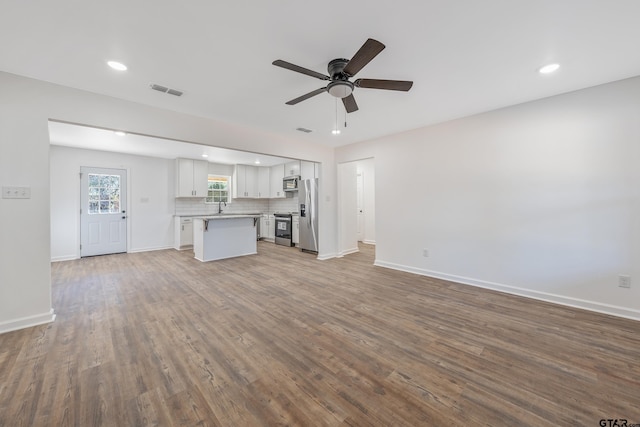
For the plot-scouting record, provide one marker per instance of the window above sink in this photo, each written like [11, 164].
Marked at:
[218, 189]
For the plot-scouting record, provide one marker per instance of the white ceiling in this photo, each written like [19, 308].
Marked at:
[465, 56]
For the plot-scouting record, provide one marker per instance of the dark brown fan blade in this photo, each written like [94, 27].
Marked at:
[307, 96]
[384, 84]
[299, 69]
[367, 52]
[350, 103]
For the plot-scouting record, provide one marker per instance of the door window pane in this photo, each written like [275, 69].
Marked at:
[104, 194]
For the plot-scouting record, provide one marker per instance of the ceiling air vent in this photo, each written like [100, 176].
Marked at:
[305, 130]
[164, 89]
[174, 92]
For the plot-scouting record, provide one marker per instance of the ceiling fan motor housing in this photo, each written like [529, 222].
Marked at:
[340, 86]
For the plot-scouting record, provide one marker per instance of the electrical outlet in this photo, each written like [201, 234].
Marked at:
[425, 253]
[624, 281]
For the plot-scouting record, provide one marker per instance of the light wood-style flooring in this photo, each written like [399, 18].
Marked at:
[280, 338]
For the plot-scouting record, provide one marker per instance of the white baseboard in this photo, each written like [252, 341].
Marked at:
[369, 242]
[156, 248]
[348, 251]
[324, 257]
[528, 293]
[64, 258]
[27, 322]
[130, 251]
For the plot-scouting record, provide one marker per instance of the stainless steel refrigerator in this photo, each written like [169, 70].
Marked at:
[308, 200]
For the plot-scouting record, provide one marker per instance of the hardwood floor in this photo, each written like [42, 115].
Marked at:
[280, 338]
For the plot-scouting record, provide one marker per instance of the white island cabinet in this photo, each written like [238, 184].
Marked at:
[224, 236]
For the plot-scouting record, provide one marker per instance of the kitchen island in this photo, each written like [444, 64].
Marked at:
[224, 236]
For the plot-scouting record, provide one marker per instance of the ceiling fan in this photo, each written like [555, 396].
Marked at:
[341, 70]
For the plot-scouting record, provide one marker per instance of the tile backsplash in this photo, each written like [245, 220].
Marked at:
[188, 206]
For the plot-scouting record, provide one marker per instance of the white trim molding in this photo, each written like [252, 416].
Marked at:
[348, 251]
[27, 322]
[151, 249]
[542, 296]
[64, 258]
[324, 257]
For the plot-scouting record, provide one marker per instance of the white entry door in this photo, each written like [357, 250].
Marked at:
[103, 212]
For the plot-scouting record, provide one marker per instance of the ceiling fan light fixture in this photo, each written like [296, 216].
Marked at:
[340, 88]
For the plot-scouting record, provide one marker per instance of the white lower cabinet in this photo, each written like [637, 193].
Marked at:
[295, 229]
[267, 227]
[183, 238]
[263, 226]
[271, 222]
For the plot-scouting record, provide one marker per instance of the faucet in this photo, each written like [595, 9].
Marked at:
[220, 206]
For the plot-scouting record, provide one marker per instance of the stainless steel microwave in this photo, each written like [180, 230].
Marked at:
[290, 183]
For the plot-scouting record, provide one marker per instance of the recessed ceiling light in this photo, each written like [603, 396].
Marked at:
[120, 133]
[257, 162]
[205, 155]
[549, 68]
[336, 131]
[117, 65]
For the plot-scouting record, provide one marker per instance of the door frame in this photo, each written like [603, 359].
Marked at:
[127, 198]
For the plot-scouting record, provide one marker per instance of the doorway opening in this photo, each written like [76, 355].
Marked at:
[357, 204]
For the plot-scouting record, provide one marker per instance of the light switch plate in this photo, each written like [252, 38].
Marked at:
[16, 192]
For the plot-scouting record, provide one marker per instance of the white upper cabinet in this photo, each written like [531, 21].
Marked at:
[244, 181]
[277, 173]
[292, 168]
[250, 182]
[308, 170]
[264, 182]
[192, 178]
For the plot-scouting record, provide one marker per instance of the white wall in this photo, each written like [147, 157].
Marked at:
[25, 271]
[26, 105]
[150, 202]
[540, 199]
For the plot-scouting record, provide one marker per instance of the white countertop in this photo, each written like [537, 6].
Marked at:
[229, 216]
[207, 215]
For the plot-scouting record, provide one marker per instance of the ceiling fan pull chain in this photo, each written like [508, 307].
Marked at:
[337, 126]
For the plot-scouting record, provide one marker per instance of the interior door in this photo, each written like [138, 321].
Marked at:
[360, 204]
[103, 212]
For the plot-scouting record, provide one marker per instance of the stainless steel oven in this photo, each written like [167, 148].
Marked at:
[283, 229]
